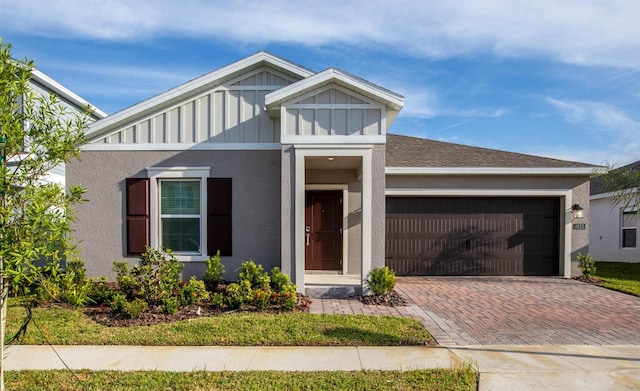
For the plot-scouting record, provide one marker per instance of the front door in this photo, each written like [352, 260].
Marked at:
[323, 230]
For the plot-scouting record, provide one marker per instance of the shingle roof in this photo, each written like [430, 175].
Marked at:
[597, 184]
[405, 151]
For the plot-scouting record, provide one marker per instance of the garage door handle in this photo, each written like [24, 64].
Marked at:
[467, 245]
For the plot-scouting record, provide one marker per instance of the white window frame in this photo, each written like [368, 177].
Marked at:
[156, 174]
[623, 228]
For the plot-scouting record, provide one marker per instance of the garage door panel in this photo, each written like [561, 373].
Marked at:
[472, 236]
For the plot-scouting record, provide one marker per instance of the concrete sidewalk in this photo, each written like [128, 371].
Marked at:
[558, 367]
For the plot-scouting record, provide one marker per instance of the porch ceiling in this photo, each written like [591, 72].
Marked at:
[338, 162]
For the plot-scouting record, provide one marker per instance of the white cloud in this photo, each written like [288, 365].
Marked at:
[573, 31]
[614, 132]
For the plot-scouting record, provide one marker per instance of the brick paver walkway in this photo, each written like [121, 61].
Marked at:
[509, 310]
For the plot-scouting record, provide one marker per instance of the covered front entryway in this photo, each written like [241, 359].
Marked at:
[473, 235]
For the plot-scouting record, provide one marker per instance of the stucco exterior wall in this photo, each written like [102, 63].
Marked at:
[605, 234]
[287, 219]
[378, 202]
[507, 185]
[100, 227]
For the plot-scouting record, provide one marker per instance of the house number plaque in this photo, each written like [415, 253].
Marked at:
[580, 226]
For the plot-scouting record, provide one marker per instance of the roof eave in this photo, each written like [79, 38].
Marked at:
[392, 100]
[64, 92]
[564, 171]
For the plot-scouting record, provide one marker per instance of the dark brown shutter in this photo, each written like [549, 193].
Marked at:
[219, 216]
[138, 230]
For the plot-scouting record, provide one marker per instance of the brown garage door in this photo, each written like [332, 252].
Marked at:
[473, 236]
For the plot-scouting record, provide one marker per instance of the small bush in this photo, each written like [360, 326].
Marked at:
[156, 277]
[381, 280]
[262, 299]
[587, 265]
[217, 300]
[255, 274]
[287, 298]
[214, 274]
[194, 292]
[170, 305]
[99, 291]
[67, 285]
[279, 280]
[238, 293]
[135, 308]
[118, 302]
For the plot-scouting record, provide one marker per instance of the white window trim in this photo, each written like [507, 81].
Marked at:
[623, 227]
[157, 173]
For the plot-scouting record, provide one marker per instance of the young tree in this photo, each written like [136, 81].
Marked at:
[37, 133]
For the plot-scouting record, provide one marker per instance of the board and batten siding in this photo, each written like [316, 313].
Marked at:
[334, 111]
[229, 113]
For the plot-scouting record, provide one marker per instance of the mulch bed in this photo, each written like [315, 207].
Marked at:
[391, 299]
[105, 316]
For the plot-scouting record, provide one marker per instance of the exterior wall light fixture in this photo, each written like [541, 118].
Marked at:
[578, 211]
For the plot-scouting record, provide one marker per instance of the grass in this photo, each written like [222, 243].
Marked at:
[619, 276]
[66, 326]
[437, 379]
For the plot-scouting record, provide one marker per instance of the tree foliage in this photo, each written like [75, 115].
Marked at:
[40, 133]
[623, 184]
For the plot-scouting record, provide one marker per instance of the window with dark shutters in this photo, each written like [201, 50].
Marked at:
[138, 223]
[219, 216]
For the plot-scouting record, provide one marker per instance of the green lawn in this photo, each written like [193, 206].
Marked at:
[437, 379]
[619, 276]
[65, 326]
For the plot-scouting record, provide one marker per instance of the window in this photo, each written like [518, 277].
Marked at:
[180, 215]
[180, 208]
[629, 228]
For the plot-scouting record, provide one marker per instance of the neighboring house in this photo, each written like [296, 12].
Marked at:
[43, 85]
[614, 229]
[266, 160]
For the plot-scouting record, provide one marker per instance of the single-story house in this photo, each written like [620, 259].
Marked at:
[267, 160]
[613, 236]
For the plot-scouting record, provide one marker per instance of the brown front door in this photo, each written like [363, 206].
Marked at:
[323, 230]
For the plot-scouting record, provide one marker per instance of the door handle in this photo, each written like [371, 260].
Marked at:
[307, 236]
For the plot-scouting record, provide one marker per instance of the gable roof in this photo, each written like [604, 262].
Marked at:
[392, 100]
[407, 155]
[194, 87]
[597, 182]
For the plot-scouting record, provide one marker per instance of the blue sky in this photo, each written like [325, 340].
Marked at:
[551, 78]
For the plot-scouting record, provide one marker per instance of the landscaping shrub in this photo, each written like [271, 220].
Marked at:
[254, 274]
[381, 280]
[170, 305]
[217, 300]
[214, 274]
[100, 291]
[135, 308]
[194, 292]
[262, 299]
[155, 278]
[117, 302]
[286, 298]
[587, 265]
[67, 285]
[238, 293]
[279, 280]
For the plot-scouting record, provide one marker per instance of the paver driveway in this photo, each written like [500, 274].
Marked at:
[522, 311]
